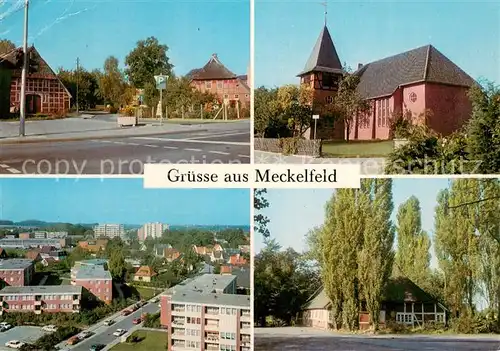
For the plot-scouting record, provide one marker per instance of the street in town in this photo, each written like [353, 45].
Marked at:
[97, 146]
[298, 339]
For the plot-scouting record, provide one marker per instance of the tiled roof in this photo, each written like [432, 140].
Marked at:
[145, 271]
[423, 64]
[324, 56]
[213, 69]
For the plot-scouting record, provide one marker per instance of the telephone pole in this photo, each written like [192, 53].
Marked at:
[77, 82]
[22, 111]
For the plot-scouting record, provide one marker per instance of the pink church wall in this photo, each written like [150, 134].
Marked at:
[418, 106]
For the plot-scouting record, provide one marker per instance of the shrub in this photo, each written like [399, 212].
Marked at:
[289, 146]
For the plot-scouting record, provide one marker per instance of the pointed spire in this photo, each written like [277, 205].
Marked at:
[323, 57]
[325, 4]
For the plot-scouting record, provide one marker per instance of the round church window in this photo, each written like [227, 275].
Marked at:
[413, 97]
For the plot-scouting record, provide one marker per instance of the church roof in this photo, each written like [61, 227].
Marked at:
[423, 64]
[213, 69]
[323, 57]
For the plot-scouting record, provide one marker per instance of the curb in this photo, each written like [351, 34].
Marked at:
[9, 141]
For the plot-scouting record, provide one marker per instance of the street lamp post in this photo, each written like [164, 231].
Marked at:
[22, 111]
[315, 117]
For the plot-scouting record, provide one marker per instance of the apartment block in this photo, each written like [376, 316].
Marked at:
[49, 235]
[206, 314]
[151, 230]
[28, 243]
[109, 231]
[94, 276]
[16, 271]
[38, 299]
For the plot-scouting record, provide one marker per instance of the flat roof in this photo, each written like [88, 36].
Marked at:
[15, 263]
[203, 284]
[42, 289]
[92, 272]
[227, 300]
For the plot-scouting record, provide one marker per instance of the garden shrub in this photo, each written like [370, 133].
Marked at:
[289, 146]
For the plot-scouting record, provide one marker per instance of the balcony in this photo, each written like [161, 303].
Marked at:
[38, 302]
[76, 302]
[178, 323]
[212, 327]
[212, 338]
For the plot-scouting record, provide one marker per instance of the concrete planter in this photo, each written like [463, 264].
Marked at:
[127, 121]
[399, 143]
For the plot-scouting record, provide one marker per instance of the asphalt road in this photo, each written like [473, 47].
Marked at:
[126, 155]
[104, 334]
[306, 341]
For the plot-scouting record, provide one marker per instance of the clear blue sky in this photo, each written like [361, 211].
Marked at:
[120, 201]
[93, 30]
[467, 32]
[294, 212]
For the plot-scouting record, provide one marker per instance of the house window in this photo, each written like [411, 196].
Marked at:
[208, 84]
[220, 85]
[329, 99]
[413, 96]
[328, 80]
[236, 96]
[226, 96]
[379, 113]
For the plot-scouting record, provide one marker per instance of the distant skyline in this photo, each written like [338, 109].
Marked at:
[94, 30]
[467, 32]
[293, 213]
[123, 201]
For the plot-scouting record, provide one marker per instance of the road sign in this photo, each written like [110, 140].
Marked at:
[315, 116]
[161, 82]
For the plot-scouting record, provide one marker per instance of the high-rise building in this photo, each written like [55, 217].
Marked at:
[109, 231]
[151, 230]
[205, 313]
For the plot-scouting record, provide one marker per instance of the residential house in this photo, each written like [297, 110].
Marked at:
[94, 246]
[217, 79]
[209, 305]
[171, 254]
[145, 274]
[16, 271]
[41, 299]
[34, 255]
[45, 93]
[403, 302]
[237, 260]
[421, 83]
[48, 261]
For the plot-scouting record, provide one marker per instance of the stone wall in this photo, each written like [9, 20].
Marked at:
[289, 146]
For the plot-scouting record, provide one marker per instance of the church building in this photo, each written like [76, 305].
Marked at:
[420, 82]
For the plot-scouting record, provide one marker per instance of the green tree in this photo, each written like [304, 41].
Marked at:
[483, 129]
[112, 83]
[376, 256]
[260, 221]
[147, 59]
[413, 255]
[116, 264]
[6, 46]
[267, 120]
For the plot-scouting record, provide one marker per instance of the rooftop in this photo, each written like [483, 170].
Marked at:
[203, 284]
[213, 69]
[88, 272]
[212, 299]
[324, 57]
[43, 289]
[15, 263]
[93, 262]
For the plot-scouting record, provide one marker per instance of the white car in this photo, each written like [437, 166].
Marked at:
[14, 344]
[50, 328]
[109, 322]
[5, 326]
[119, 332]
[84, 335]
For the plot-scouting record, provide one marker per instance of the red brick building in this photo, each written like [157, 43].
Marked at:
[420, 82]
[94, 276]
[216, 79]
[16, 272]
[41, 299]
[45, 93]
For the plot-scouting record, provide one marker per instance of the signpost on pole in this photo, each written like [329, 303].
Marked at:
[161, 84]
[315, 117]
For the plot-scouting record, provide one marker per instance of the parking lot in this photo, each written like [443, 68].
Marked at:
[24, 334]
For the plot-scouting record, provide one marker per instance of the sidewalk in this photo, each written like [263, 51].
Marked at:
[72, 129]
[369, 166]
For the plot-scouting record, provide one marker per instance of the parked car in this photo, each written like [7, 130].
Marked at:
[119, 332]
[50, 328]
[156, 300]
[84, 334]
[126, 313]
[97, 347]
[137, 321]
[109, 322]
[14, 344]
[5, 326]
[74, 340]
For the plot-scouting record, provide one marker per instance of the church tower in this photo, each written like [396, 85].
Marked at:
[323, 72]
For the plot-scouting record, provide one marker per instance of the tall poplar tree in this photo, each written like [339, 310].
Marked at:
[376, 256]
[413, 255]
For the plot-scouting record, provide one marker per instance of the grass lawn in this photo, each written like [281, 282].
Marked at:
[379, 148]
[150, 340]
[147, 294]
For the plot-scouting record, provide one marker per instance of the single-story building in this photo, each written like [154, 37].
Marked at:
[144, 274]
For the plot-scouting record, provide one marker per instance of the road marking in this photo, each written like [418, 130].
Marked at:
[119, 142]
[150, 145]
[219, 135]
[133, 144]
[170, 147]
[244, 156]
[13, 170]
[188, 149]
[219, 152]
[4, 166]
[195, 141]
